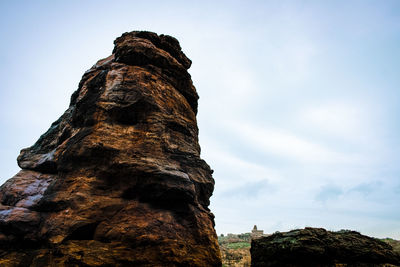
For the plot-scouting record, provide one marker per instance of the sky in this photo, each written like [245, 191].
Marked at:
[299, 100]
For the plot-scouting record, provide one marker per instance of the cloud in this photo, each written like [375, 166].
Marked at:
[250, 191]
[288, 145]
[346, 120]
[329, 192]
[293, 59]
[366, 189]
[333, 192]
[234, 172]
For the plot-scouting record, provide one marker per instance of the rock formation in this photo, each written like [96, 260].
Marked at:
[117, 180]
[313, 247]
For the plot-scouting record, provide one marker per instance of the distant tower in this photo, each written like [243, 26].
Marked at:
[256, 233]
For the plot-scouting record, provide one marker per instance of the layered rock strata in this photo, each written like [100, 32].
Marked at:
[117, 180]
[314, 247]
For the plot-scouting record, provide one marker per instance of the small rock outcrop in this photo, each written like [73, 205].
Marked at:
[317, 247]
[117, 180]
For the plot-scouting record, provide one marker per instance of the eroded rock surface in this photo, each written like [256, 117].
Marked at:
[314, 247]
[117, 180]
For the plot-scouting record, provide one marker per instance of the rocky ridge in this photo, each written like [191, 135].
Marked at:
[117, 180]
[316, 247]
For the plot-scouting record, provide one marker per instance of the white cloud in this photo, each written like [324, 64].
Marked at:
[345, 120]
[293, 60]
[232, 171]
[288, 145]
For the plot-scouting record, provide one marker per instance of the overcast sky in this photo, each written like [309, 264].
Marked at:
[299, 100]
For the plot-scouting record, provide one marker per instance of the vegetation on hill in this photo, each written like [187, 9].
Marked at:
[235, 250]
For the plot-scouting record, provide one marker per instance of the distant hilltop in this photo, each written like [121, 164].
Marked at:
[255, 233]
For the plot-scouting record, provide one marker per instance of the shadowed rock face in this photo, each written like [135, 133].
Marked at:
[314, 247]
[117, 180]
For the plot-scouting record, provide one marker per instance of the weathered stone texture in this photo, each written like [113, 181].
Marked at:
[117, 180]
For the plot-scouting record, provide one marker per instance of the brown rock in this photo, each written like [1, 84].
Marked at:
[314, 247]
[117, 180]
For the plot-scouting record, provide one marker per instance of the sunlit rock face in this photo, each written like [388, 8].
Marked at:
[316, 247]
[117, 180]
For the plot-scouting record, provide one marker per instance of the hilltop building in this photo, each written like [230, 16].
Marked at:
[255, 233]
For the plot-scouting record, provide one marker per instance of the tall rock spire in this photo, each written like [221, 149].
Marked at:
[117, 180]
